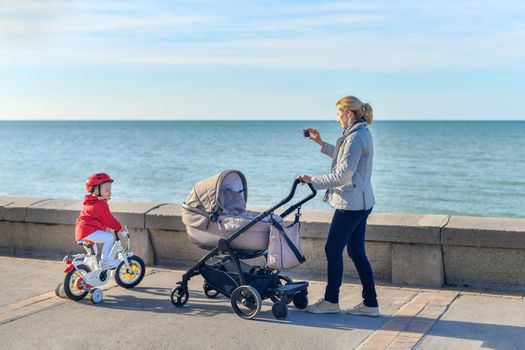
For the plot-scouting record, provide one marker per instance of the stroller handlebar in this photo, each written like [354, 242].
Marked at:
[296, 183]
[290, 196]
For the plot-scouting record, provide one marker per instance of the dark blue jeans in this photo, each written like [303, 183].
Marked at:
[348, 229]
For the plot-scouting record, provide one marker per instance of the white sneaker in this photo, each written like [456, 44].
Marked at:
[109, 265]
[363, 310]
[323, 307]
[105, 265]
[114, 263]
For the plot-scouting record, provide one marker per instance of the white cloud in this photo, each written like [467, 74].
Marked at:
[324, 35]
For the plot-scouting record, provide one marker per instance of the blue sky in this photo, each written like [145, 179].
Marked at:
[261, 59]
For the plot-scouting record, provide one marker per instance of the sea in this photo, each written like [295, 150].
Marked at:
[431, 167]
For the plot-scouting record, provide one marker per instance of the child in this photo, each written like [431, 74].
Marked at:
[95, 218]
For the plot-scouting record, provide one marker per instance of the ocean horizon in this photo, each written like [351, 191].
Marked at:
[147, 120]
[431, 167]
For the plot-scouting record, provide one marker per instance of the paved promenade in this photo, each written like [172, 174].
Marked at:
[32, 317]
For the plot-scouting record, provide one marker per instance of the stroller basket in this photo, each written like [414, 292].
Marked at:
[225, 278]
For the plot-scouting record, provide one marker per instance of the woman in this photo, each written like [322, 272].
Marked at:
[350, 193]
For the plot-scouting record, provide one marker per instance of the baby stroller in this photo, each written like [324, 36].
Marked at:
[216, 219]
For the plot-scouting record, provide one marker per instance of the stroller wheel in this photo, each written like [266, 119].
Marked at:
[280, 310]
[209, 291]
[300, 300]
[179, 296]
[282, 281]
[246, 301]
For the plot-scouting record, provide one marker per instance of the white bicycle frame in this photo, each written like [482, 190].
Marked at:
[91, 259]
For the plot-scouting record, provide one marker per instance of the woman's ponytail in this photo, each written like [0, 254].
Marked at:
[368, 113]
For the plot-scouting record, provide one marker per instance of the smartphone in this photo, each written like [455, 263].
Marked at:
[306, 133]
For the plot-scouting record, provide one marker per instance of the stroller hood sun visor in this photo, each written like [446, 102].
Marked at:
[210, 197]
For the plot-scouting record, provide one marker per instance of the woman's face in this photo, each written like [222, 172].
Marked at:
[344, 117]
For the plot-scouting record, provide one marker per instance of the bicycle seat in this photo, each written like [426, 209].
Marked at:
[86, 243]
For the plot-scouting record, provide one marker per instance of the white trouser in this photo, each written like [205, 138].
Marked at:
[107, 239]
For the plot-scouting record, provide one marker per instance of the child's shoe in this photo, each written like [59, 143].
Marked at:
[110, 264]
[105, 265]
[114, 263]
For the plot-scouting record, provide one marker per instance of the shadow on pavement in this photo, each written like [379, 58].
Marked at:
[492, 335]
[152, 290]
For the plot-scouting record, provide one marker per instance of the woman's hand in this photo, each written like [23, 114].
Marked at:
[315, 136]
[305, 179]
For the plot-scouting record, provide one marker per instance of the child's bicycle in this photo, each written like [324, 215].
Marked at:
[84, 273]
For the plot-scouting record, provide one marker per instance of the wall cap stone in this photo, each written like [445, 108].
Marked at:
[54, 211]
[484, 232]
[131, 214]
[165, 217]
[15, 208]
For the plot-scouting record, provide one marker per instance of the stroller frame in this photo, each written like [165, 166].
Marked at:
[246, 294]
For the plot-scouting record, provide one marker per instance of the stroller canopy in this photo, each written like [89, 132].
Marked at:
[213, 196]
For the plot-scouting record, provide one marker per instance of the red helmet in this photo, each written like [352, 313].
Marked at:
[96, 180]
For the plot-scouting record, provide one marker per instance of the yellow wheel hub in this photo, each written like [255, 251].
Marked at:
[76, 279]
[134, 268]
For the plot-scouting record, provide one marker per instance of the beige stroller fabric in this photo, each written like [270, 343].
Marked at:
[205, 197]
[225, 196]
[256, 238]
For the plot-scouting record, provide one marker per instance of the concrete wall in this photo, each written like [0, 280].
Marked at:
[406, 249]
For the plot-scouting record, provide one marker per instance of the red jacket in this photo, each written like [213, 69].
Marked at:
[95, 215]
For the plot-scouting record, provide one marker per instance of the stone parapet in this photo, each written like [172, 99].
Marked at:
[405, 249]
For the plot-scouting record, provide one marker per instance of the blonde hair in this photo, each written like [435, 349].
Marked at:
[360, 109]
